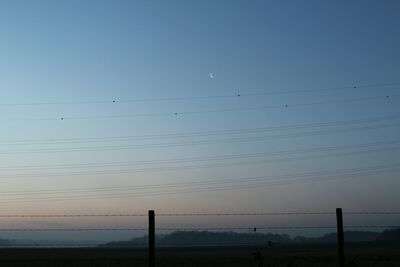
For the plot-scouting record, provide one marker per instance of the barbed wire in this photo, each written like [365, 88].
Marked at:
[199, 214]
[69, 229]
[372, 213]
[69, 215]
[255, 229]
[47, 245]
[252, 228]
[279, 213]
[111, 245]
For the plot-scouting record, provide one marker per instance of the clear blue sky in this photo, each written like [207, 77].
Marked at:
[177, 67]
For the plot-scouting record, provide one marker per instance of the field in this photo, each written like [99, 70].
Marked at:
[196, 257]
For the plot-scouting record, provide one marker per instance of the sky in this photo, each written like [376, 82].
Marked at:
[197, 106]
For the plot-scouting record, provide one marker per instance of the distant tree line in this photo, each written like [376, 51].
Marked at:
[186, 238]
[205, 238]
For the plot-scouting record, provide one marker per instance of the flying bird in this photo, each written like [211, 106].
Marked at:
[211, 76]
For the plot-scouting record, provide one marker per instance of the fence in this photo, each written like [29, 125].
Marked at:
[151, 244]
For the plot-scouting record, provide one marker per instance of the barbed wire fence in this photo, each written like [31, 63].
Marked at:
[151, 229]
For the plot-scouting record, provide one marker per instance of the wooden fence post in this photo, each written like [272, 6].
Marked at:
[152, 237]
[340, 237]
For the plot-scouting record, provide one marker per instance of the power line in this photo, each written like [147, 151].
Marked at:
[176, 113]
[175, 191]
[187, 167]
[377, 145]
[204, 97]
[155, 186]
[198, 142]
[220, 185]
[204, 133]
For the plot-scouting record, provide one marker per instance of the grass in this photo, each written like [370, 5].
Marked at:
[205, 257]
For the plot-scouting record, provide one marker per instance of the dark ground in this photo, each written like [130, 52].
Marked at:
[239, 256]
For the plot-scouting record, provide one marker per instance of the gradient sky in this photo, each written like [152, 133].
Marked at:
[177, 67]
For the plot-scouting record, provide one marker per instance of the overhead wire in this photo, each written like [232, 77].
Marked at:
[204, 133]
[117, 100]
[226, 184]
[207, 165]
[392, 145]
[246, 139]
[221, 110]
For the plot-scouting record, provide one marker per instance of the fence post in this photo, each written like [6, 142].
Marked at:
[340, 237]
[152, 237]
